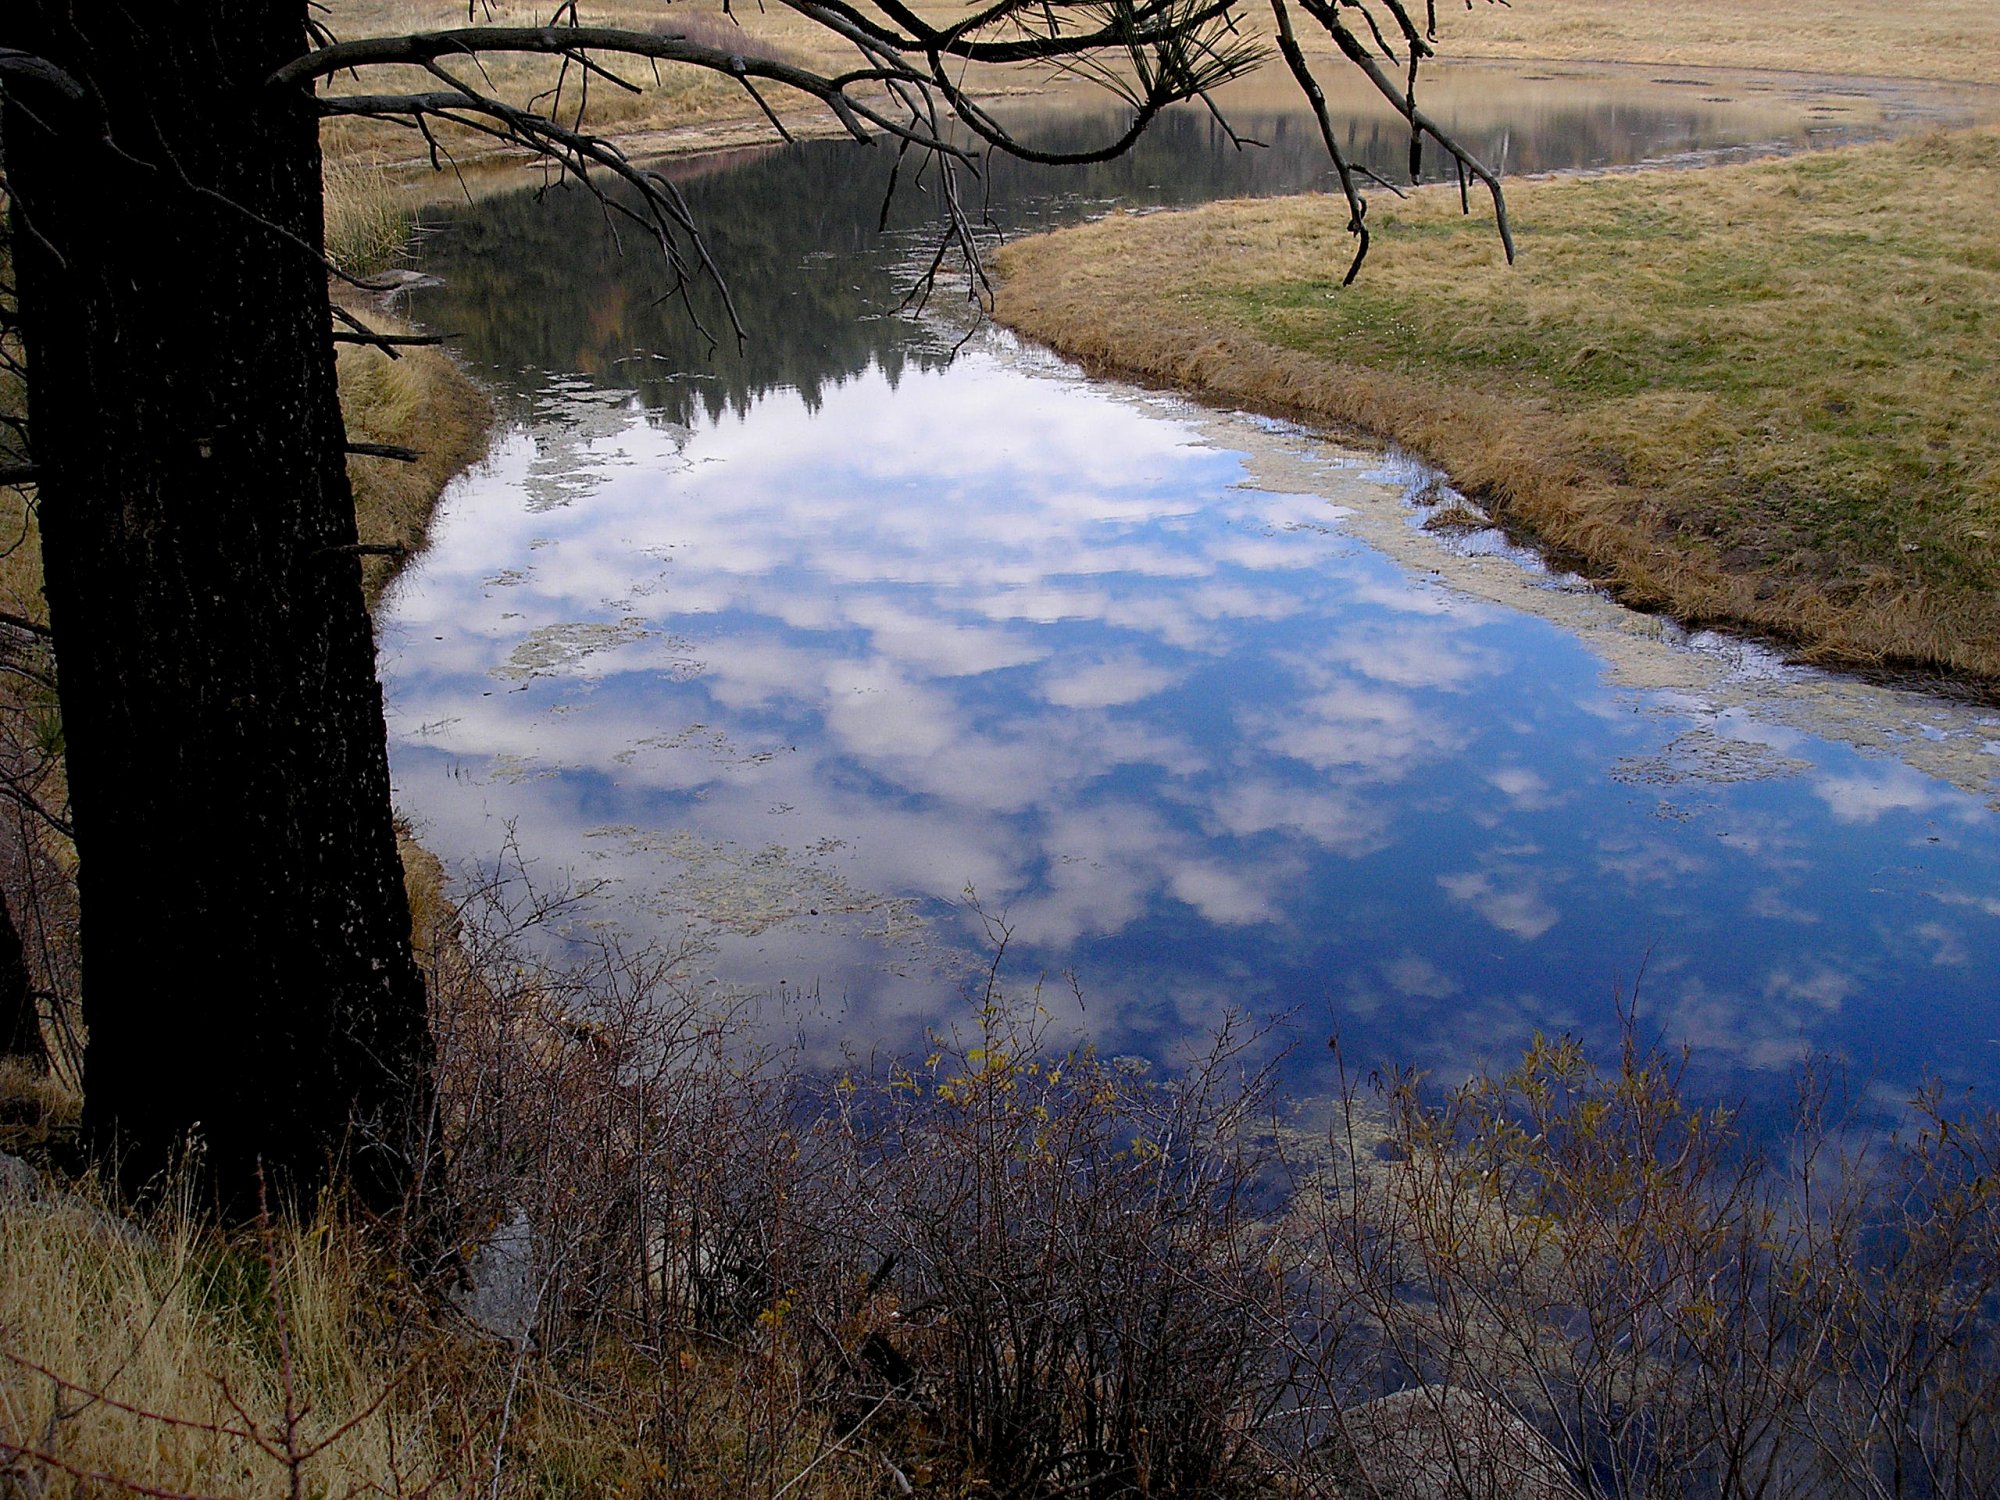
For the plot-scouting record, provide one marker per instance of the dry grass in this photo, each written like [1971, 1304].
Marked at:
[170, 1358]
[1947, 39]
[367, 221]
[34, 1106]
[422, 400]
[673, 99]
[1759, 395]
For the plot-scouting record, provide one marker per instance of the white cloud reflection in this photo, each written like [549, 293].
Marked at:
[1107, 682]
[1083, 669]
[1864, 797]
[1511, 900]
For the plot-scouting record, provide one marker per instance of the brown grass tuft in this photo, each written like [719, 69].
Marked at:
[367, 220]
[163, 1356]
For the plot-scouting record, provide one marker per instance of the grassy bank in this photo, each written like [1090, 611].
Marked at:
[1758, 396]
[420, 400]
[166, 1360]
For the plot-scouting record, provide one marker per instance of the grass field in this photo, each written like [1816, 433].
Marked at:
[1946, 39]
[1759, 396]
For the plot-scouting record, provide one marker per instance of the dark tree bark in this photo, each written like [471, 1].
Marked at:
[248, 980]
[20, 1027]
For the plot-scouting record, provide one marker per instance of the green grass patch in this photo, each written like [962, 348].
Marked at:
[1781, 376]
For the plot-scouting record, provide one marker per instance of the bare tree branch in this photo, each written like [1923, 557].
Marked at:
[911, 87]
[358, 332]
[1327, 13]
[28, 65]
[1357, 206]
[1165, 23]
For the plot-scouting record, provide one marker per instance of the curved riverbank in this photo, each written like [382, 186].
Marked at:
[1754, 396]
[421, 400]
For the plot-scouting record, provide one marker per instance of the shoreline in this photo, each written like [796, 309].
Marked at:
[1529, 499]
[424, 400]
[1222, 303]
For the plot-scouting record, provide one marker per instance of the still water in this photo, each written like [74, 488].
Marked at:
[840, 654]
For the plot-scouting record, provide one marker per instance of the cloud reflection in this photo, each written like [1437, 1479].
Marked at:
[1511, 901]
[1013, 634]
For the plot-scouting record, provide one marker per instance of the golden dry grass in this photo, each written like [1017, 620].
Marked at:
[366, 218]
[1758, 395]
[1944, 39]
[154, 1357]
[34, 1106]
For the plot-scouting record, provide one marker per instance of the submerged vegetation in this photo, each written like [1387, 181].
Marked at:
[1758, 395]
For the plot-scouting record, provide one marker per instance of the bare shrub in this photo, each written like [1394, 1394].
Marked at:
[1034, 1268]
[604, 1108]
[1079, 1273]
[1898, 1268]
[677, 1266]
[619, 1182]
[1676, 1313]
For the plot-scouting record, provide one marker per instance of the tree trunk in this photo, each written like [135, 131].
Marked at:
[20, 1026]
[247, 973]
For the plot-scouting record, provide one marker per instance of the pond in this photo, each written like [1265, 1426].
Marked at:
[840, 655]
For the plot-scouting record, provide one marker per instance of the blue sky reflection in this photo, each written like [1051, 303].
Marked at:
[802, 676]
